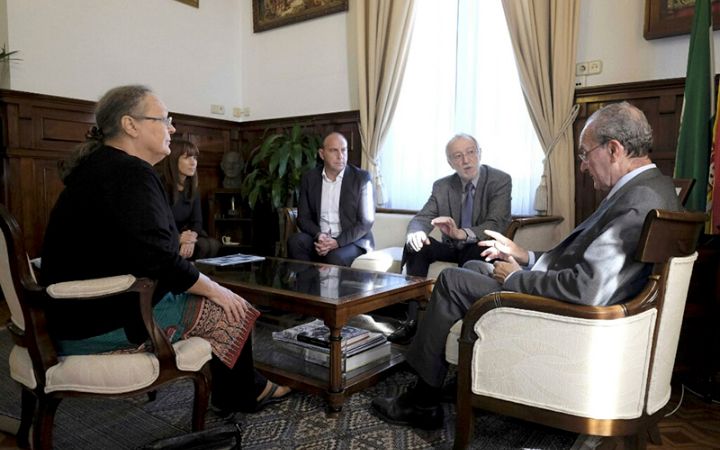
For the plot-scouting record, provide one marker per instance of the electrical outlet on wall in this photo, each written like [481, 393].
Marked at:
[581, 69]
[217, 109]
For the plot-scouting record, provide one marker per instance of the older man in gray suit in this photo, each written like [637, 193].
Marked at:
[475, 198]
[594, 265]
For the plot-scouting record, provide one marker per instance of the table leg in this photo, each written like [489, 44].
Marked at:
[336, 389]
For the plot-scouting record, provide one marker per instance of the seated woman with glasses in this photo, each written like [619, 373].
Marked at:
[113, 218]
[179, 175]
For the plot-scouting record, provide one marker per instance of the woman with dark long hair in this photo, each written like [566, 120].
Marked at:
[178, 173]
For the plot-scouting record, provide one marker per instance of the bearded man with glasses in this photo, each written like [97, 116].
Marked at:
[475, 198]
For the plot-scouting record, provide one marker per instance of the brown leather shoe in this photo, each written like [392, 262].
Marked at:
[401, 410]
[404, 334]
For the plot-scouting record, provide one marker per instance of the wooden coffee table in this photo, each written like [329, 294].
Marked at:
[331, 293]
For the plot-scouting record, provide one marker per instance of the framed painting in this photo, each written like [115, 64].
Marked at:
[269, 14]
[672, 17]
[195, 3]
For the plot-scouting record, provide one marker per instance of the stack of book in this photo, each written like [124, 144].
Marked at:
[311, 341]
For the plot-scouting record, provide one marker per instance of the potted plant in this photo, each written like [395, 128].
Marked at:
[272, 178]
[276, 166]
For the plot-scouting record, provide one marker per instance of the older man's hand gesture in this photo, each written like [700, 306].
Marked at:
[508, 255]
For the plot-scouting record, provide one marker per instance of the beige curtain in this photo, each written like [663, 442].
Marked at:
[544, 37]
[383, 35]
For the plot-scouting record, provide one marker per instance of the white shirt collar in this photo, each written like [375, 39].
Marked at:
[338, 178]
[629, 176]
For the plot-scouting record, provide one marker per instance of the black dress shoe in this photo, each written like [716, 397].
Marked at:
[404, 334]
[401, 410]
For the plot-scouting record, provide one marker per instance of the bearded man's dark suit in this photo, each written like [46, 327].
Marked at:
[356, 211]
[594, 265]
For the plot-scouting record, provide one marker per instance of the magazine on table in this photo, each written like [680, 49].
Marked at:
[349, 363]
[298, 347]
[318, 334]
[370, 350]
[229, 260]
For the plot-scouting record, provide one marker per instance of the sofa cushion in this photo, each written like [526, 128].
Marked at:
[389, 229]
[383, 260]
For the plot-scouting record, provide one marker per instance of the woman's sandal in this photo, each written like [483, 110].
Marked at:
[269, 398]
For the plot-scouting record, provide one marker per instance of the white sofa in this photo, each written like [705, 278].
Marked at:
[389, 230]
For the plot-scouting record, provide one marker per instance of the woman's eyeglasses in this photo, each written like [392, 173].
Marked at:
[166, 120]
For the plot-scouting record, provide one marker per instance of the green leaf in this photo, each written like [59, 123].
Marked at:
[295, 133]
[277, 164]
[252, 198]
[277, 193]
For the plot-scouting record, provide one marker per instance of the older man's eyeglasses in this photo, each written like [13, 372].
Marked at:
[166, 120]
[467, 154]
[584, 154]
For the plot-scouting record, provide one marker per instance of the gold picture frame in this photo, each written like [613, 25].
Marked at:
[665, 18]
[195, 3]
[269, 14]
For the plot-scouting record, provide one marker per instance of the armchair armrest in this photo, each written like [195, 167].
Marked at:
[99, 288]
[505, 299]
[534, 232]
[519, 222]
[89, 289]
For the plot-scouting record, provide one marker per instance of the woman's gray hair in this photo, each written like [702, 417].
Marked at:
[626, 124]
[109, 111]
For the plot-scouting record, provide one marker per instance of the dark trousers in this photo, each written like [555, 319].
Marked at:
[205, 247]
[455, 291]
[302, 246]
[238, 388]
[417, 263]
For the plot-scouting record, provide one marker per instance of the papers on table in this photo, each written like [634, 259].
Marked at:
[229, 260]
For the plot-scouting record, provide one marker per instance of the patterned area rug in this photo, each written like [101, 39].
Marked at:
[298, 423]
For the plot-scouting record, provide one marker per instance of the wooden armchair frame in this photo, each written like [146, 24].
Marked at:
[665, 235]
[683, 186]
[31, 299]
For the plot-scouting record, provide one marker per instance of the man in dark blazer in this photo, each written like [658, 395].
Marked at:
[336, 209]
[475, 198]
[594, 265]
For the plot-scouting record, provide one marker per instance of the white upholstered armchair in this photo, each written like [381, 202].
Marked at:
[601, 371]
[47, 378]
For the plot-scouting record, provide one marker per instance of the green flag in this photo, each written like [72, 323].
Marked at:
[691, 159]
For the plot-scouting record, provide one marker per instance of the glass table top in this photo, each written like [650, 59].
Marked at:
[321, 280]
